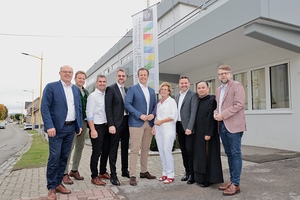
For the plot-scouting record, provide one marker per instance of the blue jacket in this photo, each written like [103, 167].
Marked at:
[54, 107]
[136, 105]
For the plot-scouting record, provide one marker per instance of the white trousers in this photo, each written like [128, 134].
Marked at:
[164, 143]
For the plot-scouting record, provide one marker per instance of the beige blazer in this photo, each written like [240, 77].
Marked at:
[232, 108]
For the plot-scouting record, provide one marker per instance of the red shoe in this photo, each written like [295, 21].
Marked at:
[162, 178]
[169, 180]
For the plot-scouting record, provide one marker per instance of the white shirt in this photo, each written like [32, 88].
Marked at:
[222, 92]
[164, 110]
[147, 95]
[95, 107]
[180, 100]
[71, 116]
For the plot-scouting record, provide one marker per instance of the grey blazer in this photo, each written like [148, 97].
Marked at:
[188, 109]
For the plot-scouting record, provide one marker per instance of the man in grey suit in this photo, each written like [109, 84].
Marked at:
[187, 103]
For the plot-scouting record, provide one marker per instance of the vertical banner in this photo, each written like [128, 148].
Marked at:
[145, 45]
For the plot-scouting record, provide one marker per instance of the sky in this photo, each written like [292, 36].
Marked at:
[67, 32]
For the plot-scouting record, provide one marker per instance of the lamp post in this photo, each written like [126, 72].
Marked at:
[41, 81]
[32, 105]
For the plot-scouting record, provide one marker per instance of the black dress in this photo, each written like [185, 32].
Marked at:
[207, 158]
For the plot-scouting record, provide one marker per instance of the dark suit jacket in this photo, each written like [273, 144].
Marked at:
[188, 109]
[114, 105]
[136, 105]
[54, 107]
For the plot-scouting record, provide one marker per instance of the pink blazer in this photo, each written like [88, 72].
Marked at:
[232, 108]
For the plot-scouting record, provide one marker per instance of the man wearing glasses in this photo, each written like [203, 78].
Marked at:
[230, 97]
[62, 115]
[117, 120]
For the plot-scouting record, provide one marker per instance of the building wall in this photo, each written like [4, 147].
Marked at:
[267, 128]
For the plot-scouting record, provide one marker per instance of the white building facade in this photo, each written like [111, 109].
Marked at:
[259, 39]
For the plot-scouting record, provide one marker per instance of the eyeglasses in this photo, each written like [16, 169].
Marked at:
[121, 75]
[224, 73]
[67, 72]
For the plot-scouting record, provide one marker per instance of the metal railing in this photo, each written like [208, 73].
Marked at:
[186, 18]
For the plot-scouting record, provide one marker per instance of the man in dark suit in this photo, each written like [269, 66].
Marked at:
[140, 102]
[117, 120]
[62, 116]
[187, 102]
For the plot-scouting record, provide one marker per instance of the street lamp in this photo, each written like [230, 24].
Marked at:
[41, 80]
[32, 105]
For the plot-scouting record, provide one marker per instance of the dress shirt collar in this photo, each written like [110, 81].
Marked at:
[65, 85]
[99, 92]
[184, 93]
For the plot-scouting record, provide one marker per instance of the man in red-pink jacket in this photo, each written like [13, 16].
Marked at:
[230, 97]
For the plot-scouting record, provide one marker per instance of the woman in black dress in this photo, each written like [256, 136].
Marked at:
[207, 158]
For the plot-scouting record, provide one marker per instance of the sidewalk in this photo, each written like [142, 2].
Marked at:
[267, 174]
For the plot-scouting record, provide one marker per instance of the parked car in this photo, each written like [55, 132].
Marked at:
[28, 127]
[2, 125]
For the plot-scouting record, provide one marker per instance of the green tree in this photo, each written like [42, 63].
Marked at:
[3, 112]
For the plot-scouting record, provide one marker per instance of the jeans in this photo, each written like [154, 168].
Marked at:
[232, 147]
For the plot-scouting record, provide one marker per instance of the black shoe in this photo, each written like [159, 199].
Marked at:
[185, 177]
[204, 184]
[191, 180]
[126, 174]
[114, 180]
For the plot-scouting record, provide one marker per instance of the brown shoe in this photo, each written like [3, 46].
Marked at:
[76, 175]
[97, 181]
[105, 176]
[232, 190]
[51, 194]
[62, 189]
[225, 186]
[132, 181]
[67, 180]
[147, 175]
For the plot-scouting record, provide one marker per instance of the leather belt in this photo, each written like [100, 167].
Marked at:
[69, 122]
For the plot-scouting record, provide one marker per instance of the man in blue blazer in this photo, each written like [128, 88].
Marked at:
[140, 102]
[62, 116]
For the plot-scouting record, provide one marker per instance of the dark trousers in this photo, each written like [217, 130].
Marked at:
[59, 150]
[186, 143]
[122, 133]
[100, 147]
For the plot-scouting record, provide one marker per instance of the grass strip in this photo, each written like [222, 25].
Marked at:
[36, 156]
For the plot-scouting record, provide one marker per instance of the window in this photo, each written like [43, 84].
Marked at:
[279, 86]
[212, 86]
[114, 66]
[242, 78]
[258, 89]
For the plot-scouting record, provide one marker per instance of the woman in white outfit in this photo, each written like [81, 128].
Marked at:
[165, 131]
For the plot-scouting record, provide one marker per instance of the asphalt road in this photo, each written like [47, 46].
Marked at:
[12, 140]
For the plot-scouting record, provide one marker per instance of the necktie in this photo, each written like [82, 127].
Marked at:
[123, 93]
[123, 96]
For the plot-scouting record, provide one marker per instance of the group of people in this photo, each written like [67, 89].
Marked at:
[115, 113]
